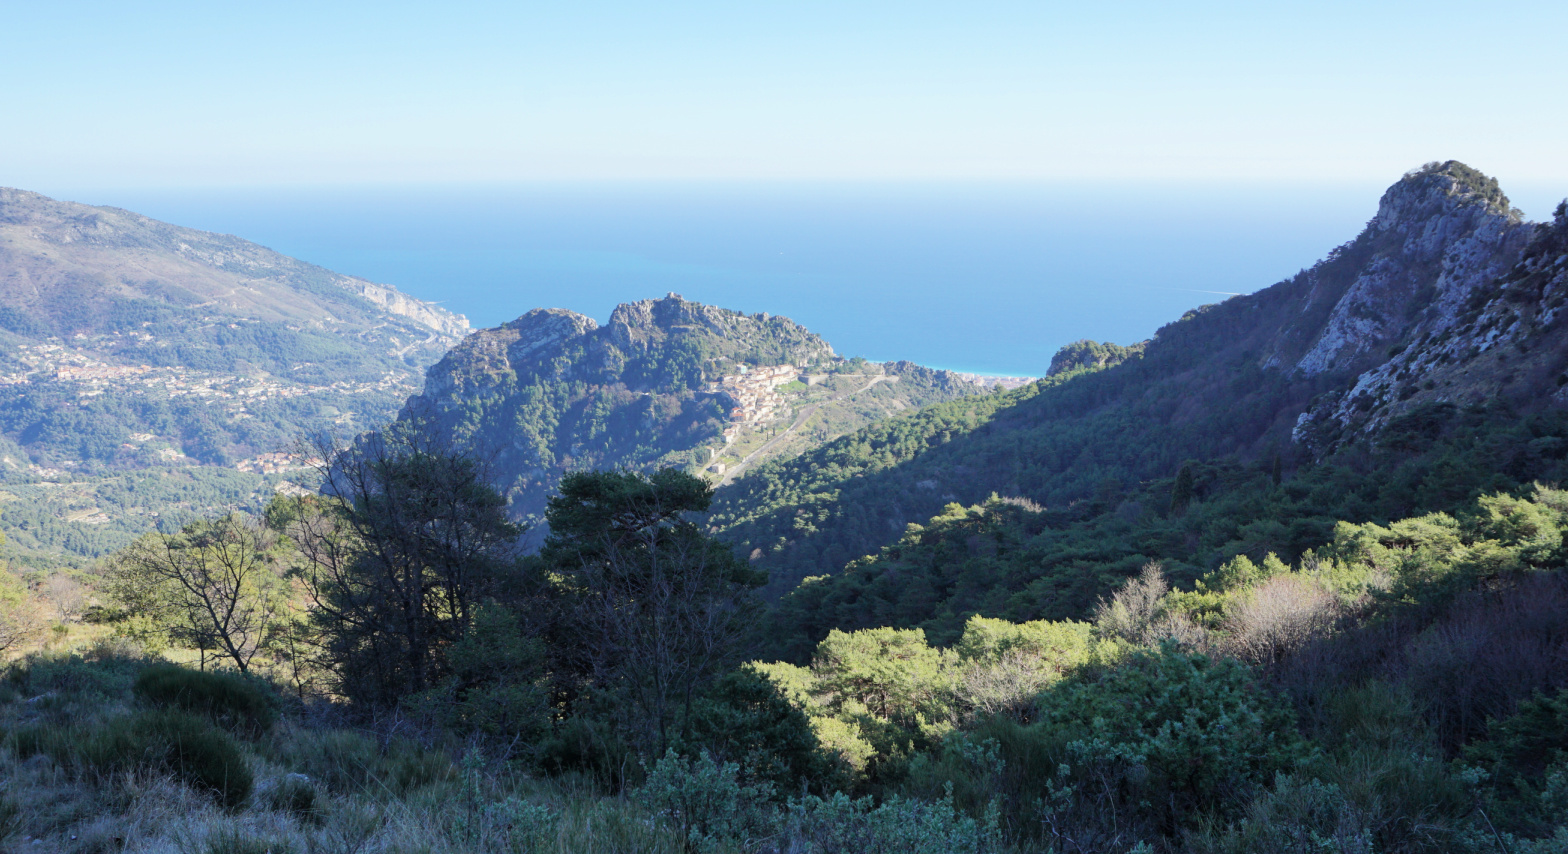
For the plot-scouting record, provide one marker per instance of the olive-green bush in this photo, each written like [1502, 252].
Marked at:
[231, 700]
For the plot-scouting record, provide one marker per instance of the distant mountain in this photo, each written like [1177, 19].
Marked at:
[1399, 356]
[553, 392]
[148, 370]
[74, 271]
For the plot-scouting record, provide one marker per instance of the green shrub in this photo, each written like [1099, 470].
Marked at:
[746, 719]
[1389, 781]
[494, 685]
[188, 747]
[292, 793]
[706, 802]
[1300, 816]
[842, 825]
[1161, 740]
[1525, 757]
[75, 687]
[352, 763]
[586, 745]
[233, 700]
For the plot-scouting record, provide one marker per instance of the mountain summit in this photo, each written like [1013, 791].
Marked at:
[1441, 232]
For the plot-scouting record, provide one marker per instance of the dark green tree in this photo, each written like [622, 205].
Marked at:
[1181, 491]
[654, 606]
[407, 539]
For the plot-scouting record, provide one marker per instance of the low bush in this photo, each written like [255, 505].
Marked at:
[168, 741]
[842, 825]
[1300, 816]
[232, 700]
[706, 802]
[67, 688]
[294, 794]
[352, 763]
[1167, 736]
[746, 719]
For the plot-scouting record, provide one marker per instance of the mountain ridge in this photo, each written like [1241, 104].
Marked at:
[1232, 380]
[149, 370]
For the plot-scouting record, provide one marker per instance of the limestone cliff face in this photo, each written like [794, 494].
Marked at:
[1501, 339]
[440, 321]
[1439, 234]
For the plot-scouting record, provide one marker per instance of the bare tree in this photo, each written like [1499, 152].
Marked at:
[66, 596]
[1278, 617]
[214, 585]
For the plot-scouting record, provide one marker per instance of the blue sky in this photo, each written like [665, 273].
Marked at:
[103, 95]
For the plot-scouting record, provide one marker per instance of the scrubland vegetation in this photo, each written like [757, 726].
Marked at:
[386, 671]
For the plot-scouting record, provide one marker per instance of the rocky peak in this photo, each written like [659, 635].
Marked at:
[486, 358]
[542, 328]
[636, 326]
[1441, 191]
[1492, 332]
[1441, 231]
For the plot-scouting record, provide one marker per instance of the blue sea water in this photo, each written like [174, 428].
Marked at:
[986, 278]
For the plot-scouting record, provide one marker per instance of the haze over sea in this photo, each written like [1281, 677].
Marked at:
[981, 277]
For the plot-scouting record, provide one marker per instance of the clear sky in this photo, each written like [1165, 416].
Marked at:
[205, 94]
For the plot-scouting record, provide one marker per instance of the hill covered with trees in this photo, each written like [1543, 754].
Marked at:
[553, 392]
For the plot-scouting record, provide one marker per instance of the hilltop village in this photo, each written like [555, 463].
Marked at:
[754, 392]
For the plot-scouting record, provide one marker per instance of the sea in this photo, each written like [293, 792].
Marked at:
[987, 278]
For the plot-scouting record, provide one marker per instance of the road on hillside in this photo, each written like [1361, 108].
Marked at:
[736, 470]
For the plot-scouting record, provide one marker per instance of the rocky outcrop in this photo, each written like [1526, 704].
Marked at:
[1504, 342]
[640, 326]
[1441, 232]
[553, 392]
[1463, 308]
[490, 359]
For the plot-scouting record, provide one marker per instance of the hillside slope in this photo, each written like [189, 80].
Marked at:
[147, 370]
[1234, 381]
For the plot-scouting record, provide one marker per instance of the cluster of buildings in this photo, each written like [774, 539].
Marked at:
[755, 394]
[275, 463]
[89, 377]
[98, 372]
